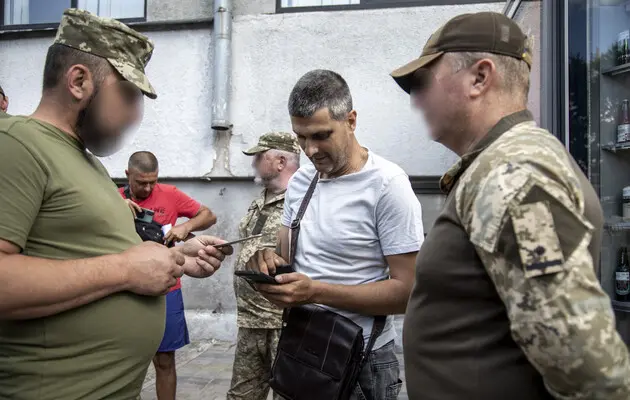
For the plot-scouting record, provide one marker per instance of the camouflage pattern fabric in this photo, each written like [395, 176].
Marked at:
[509, 194]
[275, 140]
[126, 50]
[255, 352]
[254, 311]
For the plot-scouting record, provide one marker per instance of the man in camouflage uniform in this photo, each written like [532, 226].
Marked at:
[506, 304]
[4, 104]
[276, 158]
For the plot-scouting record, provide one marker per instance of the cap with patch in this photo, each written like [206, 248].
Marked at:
[484, 32]
[275, 141]
[126, 50]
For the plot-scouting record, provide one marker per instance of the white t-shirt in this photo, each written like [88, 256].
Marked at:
[351, 223]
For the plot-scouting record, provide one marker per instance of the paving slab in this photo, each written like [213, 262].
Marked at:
[204, 371]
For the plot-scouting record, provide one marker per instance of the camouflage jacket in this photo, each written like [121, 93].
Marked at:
[254, 311]
[522, 206]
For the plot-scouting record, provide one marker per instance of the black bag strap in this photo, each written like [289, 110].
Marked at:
[295, 224]
[379, 321]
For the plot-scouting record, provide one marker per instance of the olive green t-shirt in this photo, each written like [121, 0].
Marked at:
[57, 201]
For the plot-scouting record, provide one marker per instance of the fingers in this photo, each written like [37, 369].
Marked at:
[261, 265]
[208, 240]
[212, 261]
[178, 257]
[269, 257]
[208, 268]
[288, 278]
[168, 238]
[212, 252]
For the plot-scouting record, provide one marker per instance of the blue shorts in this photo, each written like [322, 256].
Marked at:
[176, 330]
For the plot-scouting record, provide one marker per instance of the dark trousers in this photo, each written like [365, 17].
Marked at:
[379, 378]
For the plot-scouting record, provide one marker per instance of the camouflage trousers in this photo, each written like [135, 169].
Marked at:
[255, 352]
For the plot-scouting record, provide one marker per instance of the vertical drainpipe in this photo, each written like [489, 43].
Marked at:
[222, 64]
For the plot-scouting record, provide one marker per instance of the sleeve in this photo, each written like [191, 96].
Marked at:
[399, 218]
[533, 241]
[22, 187]
[186, 206]
[287, 213]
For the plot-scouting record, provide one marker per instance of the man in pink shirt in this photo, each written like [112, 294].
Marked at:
[168, 204]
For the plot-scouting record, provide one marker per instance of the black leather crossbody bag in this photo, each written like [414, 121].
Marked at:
[320, 353]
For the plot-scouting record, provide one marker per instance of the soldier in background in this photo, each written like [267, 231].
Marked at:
[276, 158]
[4, 104]
[506, 303]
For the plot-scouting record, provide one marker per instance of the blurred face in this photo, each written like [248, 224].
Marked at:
[266, 168]
[109, 110]
[141, 184]
[4, 102]
[325, 141]
[440, 95]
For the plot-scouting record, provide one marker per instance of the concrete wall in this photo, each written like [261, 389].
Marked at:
[271, 51]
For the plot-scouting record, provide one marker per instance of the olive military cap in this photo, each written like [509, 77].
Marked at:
[275, 141]
[126, 50]
[485, 32]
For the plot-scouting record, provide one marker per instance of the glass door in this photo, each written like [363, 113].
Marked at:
[598, 91]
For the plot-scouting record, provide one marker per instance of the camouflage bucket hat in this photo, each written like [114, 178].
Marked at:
[275, 141]
[485, 32]
[126, 50]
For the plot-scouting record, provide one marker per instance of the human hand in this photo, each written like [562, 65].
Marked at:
[152, 269]
[294, 289]
[265, 261]
[202, 258]
[133, 207]
[177, 233]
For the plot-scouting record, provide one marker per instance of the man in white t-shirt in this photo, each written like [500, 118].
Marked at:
[360, 233]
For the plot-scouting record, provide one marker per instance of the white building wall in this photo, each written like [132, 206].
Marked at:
[270, 52]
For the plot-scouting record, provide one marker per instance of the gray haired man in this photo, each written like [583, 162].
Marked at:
[361, 231]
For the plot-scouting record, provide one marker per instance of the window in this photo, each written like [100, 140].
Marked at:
[47, 12]
[315, 5]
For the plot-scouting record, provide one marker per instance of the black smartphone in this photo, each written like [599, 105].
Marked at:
[256, 277]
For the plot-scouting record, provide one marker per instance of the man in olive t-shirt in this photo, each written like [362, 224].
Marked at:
[82, 307]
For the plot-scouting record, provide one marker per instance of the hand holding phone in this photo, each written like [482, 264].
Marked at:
[254, 277]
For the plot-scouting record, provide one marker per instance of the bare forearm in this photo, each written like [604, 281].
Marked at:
[378, 298]
[39, 287]
[204, 220]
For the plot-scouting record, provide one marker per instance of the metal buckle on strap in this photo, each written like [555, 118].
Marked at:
[295, 224]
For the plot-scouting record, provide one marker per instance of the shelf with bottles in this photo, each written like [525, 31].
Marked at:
[615, 147]
[620, 57]
[621, 299]
[617, 224]
[617, 70]
[622, 142]
[621, 306]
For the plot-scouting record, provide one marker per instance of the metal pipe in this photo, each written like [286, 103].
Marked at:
[222, 64]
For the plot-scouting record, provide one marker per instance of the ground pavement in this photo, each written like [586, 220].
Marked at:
[204, 370]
